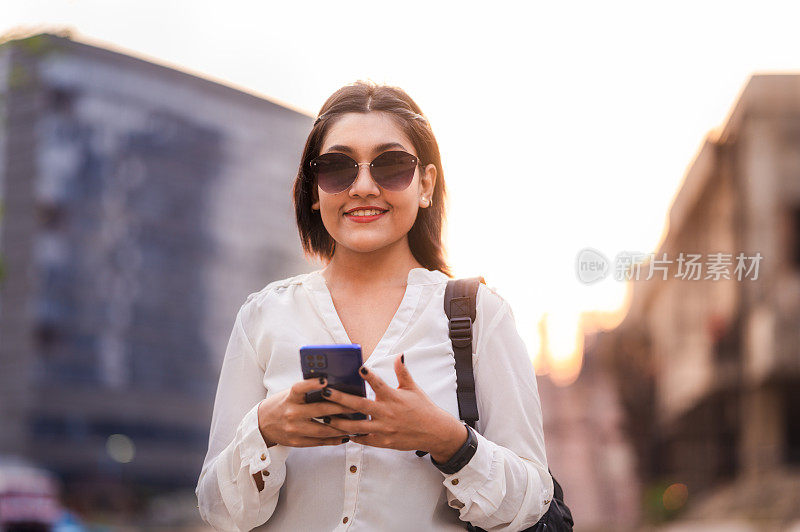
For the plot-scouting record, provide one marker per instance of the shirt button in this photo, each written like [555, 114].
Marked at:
[263, 456]
[344, 520]
[454, 481]
[353, 469]
[266, 473]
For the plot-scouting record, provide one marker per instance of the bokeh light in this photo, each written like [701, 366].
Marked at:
[675, 496]
[120, 448]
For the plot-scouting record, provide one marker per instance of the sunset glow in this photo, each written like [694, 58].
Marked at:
[552, 140]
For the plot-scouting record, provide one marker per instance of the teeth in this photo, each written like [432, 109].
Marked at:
[365, 212]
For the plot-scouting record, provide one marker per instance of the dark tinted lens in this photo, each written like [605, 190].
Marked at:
[335, 171]
[394, 170]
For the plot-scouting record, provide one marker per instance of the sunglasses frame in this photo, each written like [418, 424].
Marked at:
[358, 166]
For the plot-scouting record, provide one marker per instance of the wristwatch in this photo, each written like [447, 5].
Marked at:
[462, 456]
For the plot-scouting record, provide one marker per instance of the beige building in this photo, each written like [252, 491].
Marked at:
[707, 359]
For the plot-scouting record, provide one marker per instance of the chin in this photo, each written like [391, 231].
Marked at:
[364, 248]
[366, 245]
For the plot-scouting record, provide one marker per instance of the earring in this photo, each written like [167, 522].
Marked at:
[427, 202]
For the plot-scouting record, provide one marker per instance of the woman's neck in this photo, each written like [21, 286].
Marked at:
[382, 268]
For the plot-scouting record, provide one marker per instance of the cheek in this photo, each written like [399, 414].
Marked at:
[329, 215]
[408, 211]
[327, 211]
[327, 204]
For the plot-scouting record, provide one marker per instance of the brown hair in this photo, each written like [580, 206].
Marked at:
[425, 236]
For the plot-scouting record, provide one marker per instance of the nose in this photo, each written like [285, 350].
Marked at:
[364, 185]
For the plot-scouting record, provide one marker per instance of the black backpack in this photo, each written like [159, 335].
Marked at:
[460, 302]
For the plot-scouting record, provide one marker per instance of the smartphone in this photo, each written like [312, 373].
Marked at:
[339, 363]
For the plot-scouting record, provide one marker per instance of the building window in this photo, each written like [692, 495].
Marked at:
[792, 412]
[795, 240]
[61, 99]
[51, 215]
[47, 335]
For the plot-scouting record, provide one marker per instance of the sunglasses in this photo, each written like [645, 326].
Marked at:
[391, 170]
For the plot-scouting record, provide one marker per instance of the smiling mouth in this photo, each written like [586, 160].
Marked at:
[364, 216]
[365, 212]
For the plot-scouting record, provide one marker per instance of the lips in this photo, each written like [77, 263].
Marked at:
[363, 215]
[365, 208]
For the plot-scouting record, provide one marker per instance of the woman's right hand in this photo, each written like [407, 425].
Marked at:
[285, 418]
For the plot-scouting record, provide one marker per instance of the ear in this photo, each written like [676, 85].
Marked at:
[315, 197]
[427, 182]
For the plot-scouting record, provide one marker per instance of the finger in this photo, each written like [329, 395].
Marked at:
[367, 439]
[298, 390]
[302, 441]
[325, 408]
[357, 403]
[376, 383]
[404, 378]
[354, 426]
[316, 429]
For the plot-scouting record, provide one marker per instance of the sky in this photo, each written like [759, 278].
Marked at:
[561, 125]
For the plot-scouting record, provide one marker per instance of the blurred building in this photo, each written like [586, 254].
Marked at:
[141, 205]
[707, 360]
[587, 449]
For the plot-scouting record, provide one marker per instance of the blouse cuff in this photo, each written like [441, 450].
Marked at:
[466, 481]
[255, 454]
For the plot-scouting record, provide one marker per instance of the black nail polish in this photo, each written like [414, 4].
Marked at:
[322, 380]
[345, 439]
[326, 392]
[402, 359]
[326, 419]
[363, 370]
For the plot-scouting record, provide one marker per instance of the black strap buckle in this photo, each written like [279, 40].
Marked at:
[461, 331]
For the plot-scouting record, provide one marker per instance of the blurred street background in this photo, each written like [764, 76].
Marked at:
[628, 177]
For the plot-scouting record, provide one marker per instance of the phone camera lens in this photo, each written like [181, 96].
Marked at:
[309, 357]
[320, 357]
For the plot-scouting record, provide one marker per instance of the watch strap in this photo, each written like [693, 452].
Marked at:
[462, 456]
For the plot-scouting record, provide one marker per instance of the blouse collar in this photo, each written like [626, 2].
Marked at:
[417, 278]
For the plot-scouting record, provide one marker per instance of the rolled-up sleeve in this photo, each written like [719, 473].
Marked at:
[506, 484]
[241, 477]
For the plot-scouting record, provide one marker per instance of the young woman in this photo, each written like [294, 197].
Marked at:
[369, 200]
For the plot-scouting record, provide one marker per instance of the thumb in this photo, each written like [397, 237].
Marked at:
[404, 378]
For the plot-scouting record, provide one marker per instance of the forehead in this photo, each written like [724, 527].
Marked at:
[364, 133]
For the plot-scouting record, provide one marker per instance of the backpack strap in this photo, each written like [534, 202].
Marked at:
[460, 305]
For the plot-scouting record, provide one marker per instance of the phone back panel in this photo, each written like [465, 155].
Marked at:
[339, 363]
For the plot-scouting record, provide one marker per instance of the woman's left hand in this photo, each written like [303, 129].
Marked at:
[403, 418]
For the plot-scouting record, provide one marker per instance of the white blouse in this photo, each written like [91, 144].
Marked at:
[505, 486]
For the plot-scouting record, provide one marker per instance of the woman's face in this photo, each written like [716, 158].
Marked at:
[364, 136]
